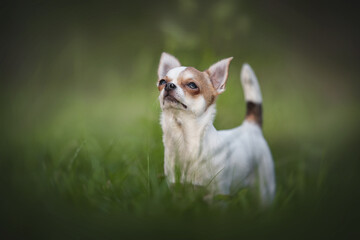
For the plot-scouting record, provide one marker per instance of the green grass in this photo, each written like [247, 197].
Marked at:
[95, 160]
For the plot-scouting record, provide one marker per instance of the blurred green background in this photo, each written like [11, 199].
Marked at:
[81, 149]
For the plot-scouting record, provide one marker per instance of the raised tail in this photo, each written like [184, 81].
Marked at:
[252, 94]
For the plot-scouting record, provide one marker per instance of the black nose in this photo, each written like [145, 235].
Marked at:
[170, 86]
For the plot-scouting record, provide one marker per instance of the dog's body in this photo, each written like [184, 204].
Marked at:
[224, 161]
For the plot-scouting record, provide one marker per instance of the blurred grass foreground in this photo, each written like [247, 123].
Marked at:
[81, 149]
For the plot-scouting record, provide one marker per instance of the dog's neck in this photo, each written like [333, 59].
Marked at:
[186, 133]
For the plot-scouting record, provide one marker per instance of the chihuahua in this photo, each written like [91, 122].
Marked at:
[222, 161]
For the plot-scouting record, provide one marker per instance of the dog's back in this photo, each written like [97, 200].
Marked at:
[247, 153]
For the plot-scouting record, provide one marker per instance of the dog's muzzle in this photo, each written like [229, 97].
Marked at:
[169, 87]
[171, 98]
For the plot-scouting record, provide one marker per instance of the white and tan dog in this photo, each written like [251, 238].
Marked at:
[224, 161]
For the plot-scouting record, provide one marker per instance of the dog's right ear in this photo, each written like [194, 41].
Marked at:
[167, 62]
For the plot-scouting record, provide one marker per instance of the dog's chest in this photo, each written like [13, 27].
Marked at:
[182, 137]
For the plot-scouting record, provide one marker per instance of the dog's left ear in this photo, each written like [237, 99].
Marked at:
[167, 62]
[218, 73]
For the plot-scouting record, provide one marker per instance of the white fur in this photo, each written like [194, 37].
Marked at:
[250, 84]
[224, 161]
[175, 72]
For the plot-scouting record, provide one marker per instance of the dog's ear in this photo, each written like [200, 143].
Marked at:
[218, 73]
[167, 62]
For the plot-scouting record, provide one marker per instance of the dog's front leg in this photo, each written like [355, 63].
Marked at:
[169, 166]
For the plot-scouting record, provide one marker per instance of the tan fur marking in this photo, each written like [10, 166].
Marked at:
[254, 113]
[201, 79]
[160, 87]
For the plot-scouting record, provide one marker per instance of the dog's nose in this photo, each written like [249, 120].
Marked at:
[170, 86]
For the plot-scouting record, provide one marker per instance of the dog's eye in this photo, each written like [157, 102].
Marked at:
[162, 82]
[192, 85]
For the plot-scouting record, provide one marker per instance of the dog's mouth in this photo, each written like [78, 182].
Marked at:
[173, 99]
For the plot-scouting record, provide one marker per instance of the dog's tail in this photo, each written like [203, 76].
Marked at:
[252, 94]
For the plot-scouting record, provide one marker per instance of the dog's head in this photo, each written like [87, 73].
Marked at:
[188, 89]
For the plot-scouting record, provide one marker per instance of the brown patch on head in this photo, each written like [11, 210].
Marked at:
[202, 81]
[160, 87]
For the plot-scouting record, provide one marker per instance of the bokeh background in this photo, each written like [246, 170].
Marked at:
[81, 150]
